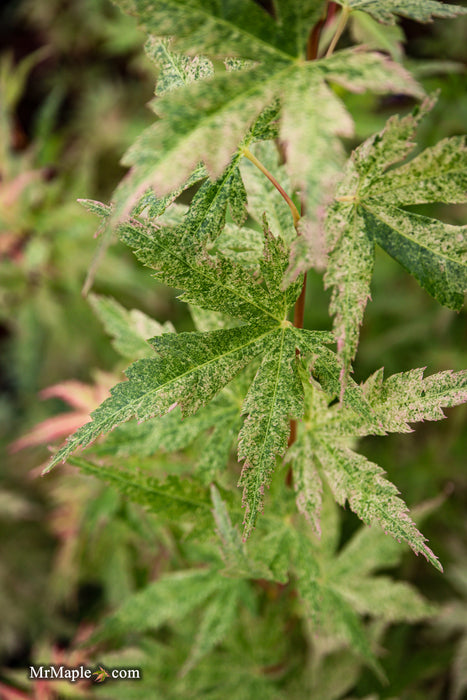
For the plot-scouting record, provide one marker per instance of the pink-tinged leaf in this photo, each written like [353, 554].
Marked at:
[50, 430]
[7, 692]
[358, 70]
[84, 397]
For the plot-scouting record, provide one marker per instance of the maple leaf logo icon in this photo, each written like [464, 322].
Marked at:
[101, 675]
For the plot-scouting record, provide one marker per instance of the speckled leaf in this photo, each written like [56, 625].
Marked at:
[396, 402]
[418, 10]
[130, 330]
[364, 214]
[306, 480]
[212, 283]
[190, 370]
[408, 397]
[231, 27]
[433, 252]
[173, 499]
[175, 70]
[205, 121]
[353, 478]
[275, 396]
[349, 273]
[438, 174]
[391, 145]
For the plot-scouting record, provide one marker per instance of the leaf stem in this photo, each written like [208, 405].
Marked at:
[339, 30]
[295, 213]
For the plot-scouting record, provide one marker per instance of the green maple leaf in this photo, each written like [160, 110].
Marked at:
[204, 117]
[367, 211]
[130, 330]
[338, 587]
[181, 501]
[189, 369]
[216, 424]
[386, 11]
[321, 452]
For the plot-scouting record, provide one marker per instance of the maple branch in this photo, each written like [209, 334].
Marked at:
[312, 47]
[299, 311]
[295, 213]
[299, 314]
[339, 30]
[313, 40]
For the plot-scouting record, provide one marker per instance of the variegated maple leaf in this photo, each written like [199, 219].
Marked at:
[189, 369]
[205, 115]
[387, 11]
[368, 210]
[322, 451]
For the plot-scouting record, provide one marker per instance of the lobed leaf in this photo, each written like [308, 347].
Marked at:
[130, 329]
[419, 10]
[175, 70]
[409, 397]
[364, 214]
[274, 397]
[354, 478]
[214, 284]
[190, 370]
[174, 499]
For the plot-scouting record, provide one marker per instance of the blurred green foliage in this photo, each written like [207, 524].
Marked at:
[73, 85]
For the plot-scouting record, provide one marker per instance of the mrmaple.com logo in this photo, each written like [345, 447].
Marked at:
[79, 673]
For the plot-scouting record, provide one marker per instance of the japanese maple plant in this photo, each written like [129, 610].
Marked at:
[249, 116]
